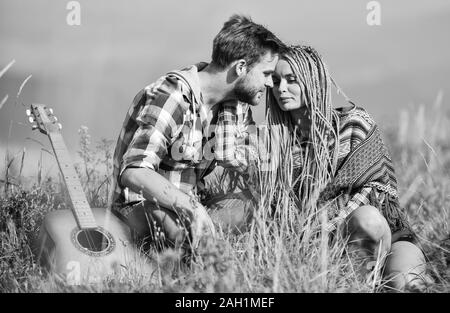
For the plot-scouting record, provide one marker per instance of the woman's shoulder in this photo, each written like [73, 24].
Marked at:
[355, 124]
[354, 116]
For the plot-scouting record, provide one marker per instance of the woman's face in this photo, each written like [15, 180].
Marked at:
[286, 87]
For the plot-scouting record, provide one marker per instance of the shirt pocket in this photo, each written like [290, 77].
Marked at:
[187, 147]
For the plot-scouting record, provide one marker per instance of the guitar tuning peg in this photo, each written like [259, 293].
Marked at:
[28, 112]
[51, 110]
[59, 126]
[56, 119]
[30, 119]
[34, 126]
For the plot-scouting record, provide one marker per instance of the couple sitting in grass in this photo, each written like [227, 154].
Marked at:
[189, 121]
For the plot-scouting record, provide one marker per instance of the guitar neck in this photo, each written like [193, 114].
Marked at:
[80, 206]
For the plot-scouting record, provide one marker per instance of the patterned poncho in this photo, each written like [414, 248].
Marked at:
[364, 173]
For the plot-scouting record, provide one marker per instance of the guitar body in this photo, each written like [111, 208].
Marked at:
[88, 255]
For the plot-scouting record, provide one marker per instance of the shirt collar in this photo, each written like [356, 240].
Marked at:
[190, 76]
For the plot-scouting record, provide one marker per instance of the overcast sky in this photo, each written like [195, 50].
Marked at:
[90, 73]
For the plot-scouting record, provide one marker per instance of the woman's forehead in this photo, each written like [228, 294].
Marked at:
[283, 67]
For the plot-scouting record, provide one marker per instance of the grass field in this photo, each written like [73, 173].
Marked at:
[277, 254]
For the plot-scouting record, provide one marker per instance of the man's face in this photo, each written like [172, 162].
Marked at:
[251, 86]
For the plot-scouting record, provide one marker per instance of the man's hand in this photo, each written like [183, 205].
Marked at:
[201, 224]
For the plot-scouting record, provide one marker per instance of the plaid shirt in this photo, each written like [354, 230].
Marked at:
[168, 130]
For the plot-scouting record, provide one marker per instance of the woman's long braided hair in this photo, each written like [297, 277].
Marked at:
[318, 154]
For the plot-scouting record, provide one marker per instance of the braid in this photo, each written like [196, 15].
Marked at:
[319, 153]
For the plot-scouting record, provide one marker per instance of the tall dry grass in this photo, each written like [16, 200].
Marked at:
[421, 147]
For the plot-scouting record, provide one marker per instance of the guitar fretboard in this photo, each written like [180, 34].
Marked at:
[80, 205]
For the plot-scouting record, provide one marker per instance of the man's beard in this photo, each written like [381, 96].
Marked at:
[246, 94]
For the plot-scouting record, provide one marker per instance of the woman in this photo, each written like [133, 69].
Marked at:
[338, 157]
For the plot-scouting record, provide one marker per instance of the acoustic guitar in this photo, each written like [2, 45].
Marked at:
[82, 245]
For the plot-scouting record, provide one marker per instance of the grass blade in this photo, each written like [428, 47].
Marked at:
[6, 68]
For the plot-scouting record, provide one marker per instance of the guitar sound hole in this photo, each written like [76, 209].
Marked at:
[93, 240]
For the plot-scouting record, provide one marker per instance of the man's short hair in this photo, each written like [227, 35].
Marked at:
[241, 38]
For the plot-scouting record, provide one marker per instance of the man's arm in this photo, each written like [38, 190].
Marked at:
[156, 187]
[158, 121]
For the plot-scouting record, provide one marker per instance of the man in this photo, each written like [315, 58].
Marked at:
[180, 127]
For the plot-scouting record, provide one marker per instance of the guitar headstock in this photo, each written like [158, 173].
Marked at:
[42, 118]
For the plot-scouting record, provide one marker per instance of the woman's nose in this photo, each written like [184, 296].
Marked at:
[283, 86]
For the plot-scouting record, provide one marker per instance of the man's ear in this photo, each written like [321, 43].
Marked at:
[240, 67]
